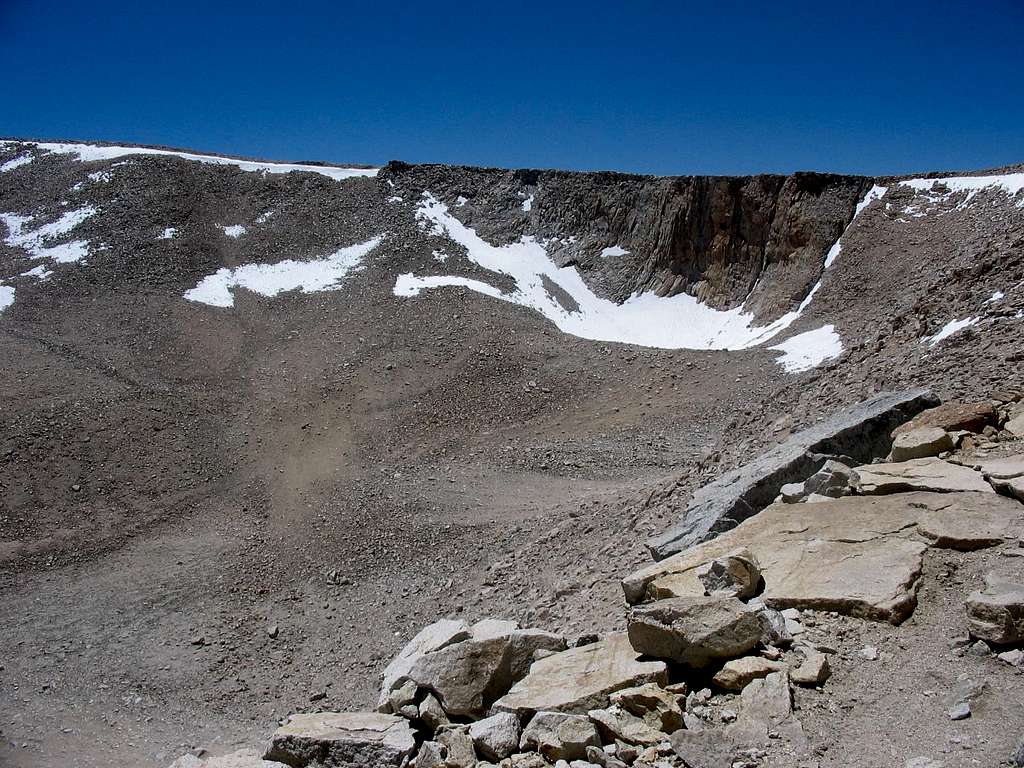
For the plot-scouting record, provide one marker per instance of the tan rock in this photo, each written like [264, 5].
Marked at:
[996, 613]
[952, 417]
[1015, 426]
[813, 670]
[920, 443]
[856, 555]
[766, 709]
[581, 679]
[616, 723]
[735, 675]
[658, 706]
[1013, 487]
[342, 740]
[694, 630]
[734, 574]
[431, 638]
[243, 758]
[559, 736]
[496, 737]
[928, 474]
[972, 521]
[458, 745]
[1004, 468]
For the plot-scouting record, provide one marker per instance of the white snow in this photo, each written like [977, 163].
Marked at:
[809, 350]
[440, 256]
[40, 272]
[615, 250]
[91, 152]
[676, 322]
[528, 204]
[33, 241]
[953, 326]
[875, 193]
[997, 296]
[235, 231]
[460, 201]
[168, 233]
[323, 274]
[99, 177]
[17, 162]
[264, 217]
[6, 296]
[1010, 183]
[394, 199]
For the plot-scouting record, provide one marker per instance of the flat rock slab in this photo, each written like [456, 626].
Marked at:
[861, 431]
[972, 521]
[928, 474]
[1002, 469]
[859, 555]
[581, 679]
[342, 740]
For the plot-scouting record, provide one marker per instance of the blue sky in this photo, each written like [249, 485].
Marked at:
[668, 88]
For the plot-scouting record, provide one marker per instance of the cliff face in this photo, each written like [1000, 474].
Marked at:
[727, 240]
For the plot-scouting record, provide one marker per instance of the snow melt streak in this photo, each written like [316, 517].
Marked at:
[271, 279]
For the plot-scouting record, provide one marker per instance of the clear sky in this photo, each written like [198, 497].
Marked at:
[655, 87]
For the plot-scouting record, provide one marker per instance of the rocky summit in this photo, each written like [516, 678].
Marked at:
[330, 466]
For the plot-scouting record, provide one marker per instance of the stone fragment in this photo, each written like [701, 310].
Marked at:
[766, 709]
[929, 474]
[615, 723]
[431, 755]
[1014, 487]
[1004, 468]
[1015, 426]
[1014, 657]
[431, 713]
[466, 676]
[734, 574]
[431, 638]
[581, 679]
[972, 521]
[401, 696]
[813, 670]
[496, 737]
[996, 613]
[735, 675]
[527, 645]
[458, 745]
[951, 417]
[242, 758]
[342, 740]
[559, 736]
[694, 630]
[792, 493]
[657, 706]
[704, 748]
[833, 480]
[861, 431]
[920, 443]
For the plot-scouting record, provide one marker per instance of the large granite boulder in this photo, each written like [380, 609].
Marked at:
[860, 555]
[465, 668]
[929, 474]
[581, 679]
[694, 630]
[861, 432]
[342, 740]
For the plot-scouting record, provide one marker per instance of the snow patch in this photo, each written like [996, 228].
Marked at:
[528, 204]
[1012, 184]
[460, 201]
[39, 273]
[953, 326]
[995, 297]
[394, 199]
[17, 162]
[91, 152]
[167, 234]
[809, 350]
[615, 250]
[875, 193]
[235, 231]
[264, 217]
[6, 297]
[323, 274]
[440, 256]
[33, 241]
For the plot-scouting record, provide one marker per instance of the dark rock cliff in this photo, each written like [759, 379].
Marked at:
[726, 240]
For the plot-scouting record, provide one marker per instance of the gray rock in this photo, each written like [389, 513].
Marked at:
[694, 630]
[431, 712]
[496, 737]
[960, 711]
[657, 706]
[458, 744]
[734, 574]
[431, 755]
[342, 740]
[996, 613]
[813, 670]
[559, 736]
[431, 638]
[705, 748]
[767, 708]
[616, 724]
[833, 480]
[1017, 758]
[860, 431]
[920, 443]
[736, 674]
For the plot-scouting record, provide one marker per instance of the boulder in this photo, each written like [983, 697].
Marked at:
[833, 480]
[615, 723]
[928, 474]
[767, 709]
[431, 713]
[813, 670]
[952, 417]
[657, 706]
[458, 747]
[581, 679]
[704, 748]
[996, 613]
[920, 443]
[431, 755]
[1015, 426]
[559, 736]
[972, 521]
[496, 737]
[694, 630]
[735, 675]
[243, 758]
[734, 574]
[861, 431]
[342, 740]
[431, 638]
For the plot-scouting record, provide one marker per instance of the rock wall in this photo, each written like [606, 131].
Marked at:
[724, 239]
